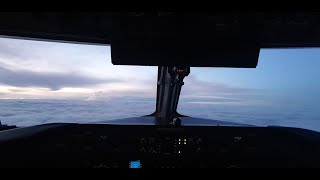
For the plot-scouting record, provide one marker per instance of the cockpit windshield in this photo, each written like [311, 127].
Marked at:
[45, 82]
[282, 91]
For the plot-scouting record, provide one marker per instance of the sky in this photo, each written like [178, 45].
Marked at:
[46, 70]
[51, 70]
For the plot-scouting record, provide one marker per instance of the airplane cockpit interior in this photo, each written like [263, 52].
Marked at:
[174, 43]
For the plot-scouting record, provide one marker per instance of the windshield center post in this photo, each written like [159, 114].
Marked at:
[170, 82]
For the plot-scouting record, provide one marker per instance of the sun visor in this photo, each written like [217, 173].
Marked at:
[171, 41]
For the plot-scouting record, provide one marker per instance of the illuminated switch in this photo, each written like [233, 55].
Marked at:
[135, 164]
[237, 139]
[151, 140]
[198, 149]
[143, 141]
[151, 150]
[199, 141]
[143, 150]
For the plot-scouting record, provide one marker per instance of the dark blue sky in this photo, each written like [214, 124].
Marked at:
[277, 68]
[291, 74]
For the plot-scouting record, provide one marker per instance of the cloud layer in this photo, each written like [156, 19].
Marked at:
[28, 66]
[54, 81]
[209, 87]
[21, 49]
[207, 92]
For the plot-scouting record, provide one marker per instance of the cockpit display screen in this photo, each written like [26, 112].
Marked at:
[135, 164]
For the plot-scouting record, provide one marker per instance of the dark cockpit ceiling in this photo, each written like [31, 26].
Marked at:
[163, 38]
[292, 29]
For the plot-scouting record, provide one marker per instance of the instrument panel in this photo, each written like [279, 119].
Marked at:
[142, 146]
